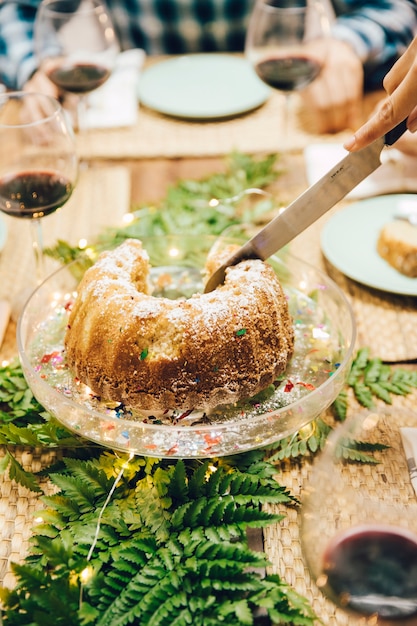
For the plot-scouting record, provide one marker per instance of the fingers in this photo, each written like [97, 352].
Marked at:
[41, 83]
[412, 120]
[401, 68]
[380, 123]
[393, 110]
[407, 144]
[401, 103]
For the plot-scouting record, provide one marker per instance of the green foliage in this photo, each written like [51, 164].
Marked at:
[164, 543]
[24, 422]
[371, 379]
[358, 451]
[309, 440]
[194, 568]
[186, 208]
[17, 403]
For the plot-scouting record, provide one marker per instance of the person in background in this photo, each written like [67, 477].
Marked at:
[401, 102]
[366, 38]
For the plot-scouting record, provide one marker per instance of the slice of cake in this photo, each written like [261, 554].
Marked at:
[397, 244]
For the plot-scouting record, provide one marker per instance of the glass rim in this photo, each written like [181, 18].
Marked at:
[21, 95]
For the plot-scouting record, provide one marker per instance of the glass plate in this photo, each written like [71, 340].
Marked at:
[325, 338]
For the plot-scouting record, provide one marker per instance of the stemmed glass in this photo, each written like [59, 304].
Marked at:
[285, 44]
[359, 519]
[38, 161]
[76, 46]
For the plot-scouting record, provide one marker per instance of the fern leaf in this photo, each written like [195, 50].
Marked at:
[201, 483]
[380, 392]
[340, 406]
[358, 451]
[66, 507]
[358, 366]
[363, 394]
[177, 487]
[21, 476]
[189, 514]
[82, 494]
[372, 371]
[88, 474]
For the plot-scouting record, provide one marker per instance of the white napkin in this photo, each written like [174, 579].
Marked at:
[115, 104]
[396, 174]
[409, 441]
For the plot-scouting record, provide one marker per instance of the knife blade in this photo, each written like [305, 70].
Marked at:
[311, 204]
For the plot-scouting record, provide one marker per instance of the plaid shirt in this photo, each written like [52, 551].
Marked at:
[378, 30]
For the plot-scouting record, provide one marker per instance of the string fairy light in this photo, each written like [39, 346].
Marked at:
[88, 571]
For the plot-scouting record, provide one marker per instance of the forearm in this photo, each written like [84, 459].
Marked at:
[379, 32]
[17, 59]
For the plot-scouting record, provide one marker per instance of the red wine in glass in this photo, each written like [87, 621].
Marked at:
[76, 47]
[373, 570]
[38, 166]
[34, 194]
[290, 73]
[79, 78]
[281, 45]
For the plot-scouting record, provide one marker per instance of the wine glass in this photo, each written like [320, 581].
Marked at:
[286, 45]
[38, 161]
[359, 519]
[76, 46]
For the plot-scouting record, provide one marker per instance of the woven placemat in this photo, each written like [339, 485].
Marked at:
[264, 129]
[156, 135]
[102, 197]
[18, 508]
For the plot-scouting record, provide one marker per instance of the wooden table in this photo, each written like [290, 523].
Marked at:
[127, 167]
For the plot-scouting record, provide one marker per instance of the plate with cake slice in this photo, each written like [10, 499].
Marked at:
[371, 242]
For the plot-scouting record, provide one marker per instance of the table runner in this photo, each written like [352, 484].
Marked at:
[156, 135]
[101, 198]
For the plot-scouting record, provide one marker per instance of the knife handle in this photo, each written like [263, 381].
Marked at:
[394, 134]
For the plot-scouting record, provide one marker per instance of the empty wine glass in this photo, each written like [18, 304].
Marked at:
[76, 46]
[285, 43]
[359, 519]
[38, 161]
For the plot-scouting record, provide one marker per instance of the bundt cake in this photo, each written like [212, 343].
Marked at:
[154, 353]
[397, 244]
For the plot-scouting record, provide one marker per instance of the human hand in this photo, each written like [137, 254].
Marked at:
[407, 144]
[40, 83]
[334, 99]
[401, 86]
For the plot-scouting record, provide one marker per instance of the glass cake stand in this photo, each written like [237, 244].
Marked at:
[324, 342]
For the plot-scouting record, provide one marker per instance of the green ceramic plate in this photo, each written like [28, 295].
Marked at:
[202, 86]
[349, 240]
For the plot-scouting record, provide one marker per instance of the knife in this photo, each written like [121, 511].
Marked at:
[311, 204]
